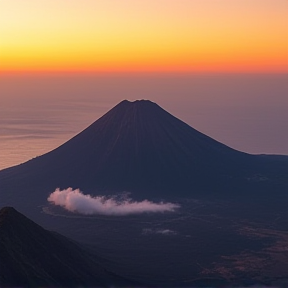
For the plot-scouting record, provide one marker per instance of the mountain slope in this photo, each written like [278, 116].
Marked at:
[33, 256]
[139, 147]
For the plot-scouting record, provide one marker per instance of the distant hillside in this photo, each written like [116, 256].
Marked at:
[33, 256]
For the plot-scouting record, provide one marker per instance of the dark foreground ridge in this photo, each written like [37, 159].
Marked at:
[141, 148]
[33, 256]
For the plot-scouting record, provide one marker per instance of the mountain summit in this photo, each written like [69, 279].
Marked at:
[139, 147]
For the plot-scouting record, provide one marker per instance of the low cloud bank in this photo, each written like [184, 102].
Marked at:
[76, 201]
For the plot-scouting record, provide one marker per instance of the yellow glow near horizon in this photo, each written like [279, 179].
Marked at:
[144, 35]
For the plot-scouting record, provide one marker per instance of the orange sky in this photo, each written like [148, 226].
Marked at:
[144, 35]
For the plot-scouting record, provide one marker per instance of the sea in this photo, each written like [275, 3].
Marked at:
[39, 112]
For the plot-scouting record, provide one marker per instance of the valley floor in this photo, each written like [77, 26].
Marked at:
[202, 244]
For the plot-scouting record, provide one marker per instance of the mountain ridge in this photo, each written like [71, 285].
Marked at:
[33, 256]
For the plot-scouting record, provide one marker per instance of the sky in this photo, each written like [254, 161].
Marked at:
[144, 35]
[219, 65]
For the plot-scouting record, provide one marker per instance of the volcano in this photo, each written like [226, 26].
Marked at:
[141, 148]
[232, 206]
[33, 256]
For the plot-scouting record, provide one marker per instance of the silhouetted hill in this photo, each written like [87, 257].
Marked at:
[139, 147]
[33, 256]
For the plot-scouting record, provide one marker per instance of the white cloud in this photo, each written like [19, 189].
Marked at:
[159, 231]
[76, 201]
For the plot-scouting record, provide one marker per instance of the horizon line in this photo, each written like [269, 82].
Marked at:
[139, 72]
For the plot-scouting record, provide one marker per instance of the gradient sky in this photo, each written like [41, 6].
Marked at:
[144, 35]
